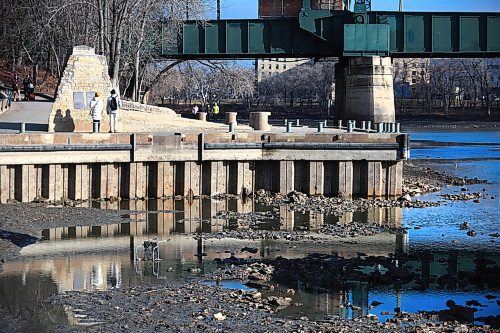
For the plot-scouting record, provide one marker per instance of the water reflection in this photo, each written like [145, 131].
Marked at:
[102, 257]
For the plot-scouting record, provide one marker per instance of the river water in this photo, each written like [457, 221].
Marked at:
[86, 258]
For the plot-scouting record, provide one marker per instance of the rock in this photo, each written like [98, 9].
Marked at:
[405, 197]
[219, 316]
[257, 295]
[471, 233]
[279, 301]
[249, 250]
[464, 226]
[473, 303]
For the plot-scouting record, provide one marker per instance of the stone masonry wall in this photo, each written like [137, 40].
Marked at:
[85, 74]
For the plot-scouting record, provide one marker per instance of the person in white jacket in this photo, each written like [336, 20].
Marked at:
[96, 107]
[113, 106]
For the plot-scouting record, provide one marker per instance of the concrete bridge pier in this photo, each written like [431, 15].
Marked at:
[364, 89]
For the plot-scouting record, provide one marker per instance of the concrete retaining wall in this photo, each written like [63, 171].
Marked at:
[84, 166]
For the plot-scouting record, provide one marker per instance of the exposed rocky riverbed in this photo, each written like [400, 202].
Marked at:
[195, 307]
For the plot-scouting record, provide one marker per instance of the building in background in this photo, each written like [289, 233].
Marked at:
[410, 74]
[268, 67]
[292, 8]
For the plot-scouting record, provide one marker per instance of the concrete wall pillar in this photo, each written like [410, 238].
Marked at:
[82, 182]
[33, 174]
[365, 89]
[374, 179]
[111, 177]
[316, 178]
[393, 178]
[286, 177]
[192, 179]
[215, 177]
[244, 178]
[56, 181]
[7, 184]
[165, 178]
[345, 176]
[138, 181]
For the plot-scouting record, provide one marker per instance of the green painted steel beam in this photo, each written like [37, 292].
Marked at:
[320, 33]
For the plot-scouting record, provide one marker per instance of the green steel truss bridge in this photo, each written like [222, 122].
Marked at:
[325, 33]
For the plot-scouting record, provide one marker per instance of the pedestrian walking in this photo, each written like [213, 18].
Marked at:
[16, 88]
[27, 83]
[215, 111]
[113, 107]
[96, 107]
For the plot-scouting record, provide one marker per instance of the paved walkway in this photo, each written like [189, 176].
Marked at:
[34, 114]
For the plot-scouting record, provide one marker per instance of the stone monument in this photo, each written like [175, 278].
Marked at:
[85, 74]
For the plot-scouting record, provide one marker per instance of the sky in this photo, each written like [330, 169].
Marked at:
[247, 9]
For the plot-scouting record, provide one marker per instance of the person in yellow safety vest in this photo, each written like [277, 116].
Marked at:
[215, 111]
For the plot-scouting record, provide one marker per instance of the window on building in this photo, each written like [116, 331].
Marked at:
[284, 66]
[269, 73]
[262, 66]
[277, 66]
[270, 67]
[414, 73]
[413, 80]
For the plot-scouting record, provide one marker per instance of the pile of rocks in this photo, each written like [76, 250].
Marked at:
[462, 196]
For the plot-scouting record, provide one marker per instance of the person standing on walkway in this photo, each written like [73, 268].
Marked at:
[215, 111]
[96, 107]
[113, 107]
[195, 111]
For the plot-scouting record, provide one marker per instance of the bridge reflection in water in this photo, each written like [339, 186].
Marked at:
[101, 256]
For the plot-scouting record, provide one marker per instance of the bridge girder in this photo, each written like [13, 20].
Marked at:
[324, 33]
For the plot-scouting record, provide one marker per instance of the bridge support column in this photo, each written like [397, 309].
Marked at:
[364, 90]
